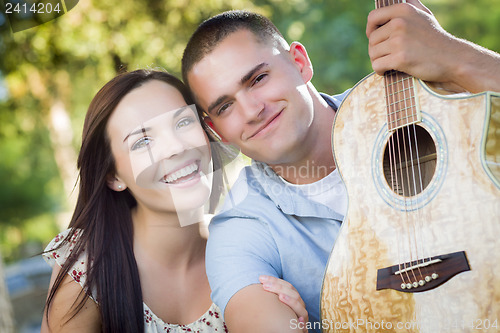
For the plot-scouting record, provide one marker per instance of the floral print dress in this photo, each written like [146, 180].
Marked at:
[210, 321]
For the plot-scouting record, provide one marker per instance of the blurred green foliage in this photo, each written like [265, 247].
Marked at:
[65, 61]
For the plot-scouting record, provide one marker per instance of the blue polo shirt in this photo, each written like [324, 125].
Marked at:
[267, 227]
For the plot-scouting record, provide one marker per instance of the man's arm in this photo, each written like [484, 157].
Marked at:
[239, 251]
[252, 309]
[287, 294]
[407, 38]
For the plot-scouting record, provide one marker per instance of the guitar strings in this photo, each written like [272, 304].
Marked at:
[421, 210]
[402, 162]
[413, 202]
[413, 215]
[391, 153]
[400, 100]
[416, 189]
[390, 97]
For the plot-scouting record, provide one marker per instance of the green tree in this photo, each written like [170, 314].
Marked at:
[477, 21]
[52, 71]
[333, 33]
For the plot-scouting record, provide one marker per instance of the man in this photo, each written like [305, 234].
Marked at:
[285, 211]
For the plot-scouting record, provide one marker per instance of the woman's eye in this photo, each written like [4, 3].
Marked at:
[185, 122]
[141, 143]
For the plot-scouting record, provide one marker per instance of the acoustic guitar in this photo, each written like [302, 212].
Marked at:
[419, 249]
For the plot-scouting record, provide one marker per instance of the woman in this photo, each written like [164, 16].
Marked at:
[132, 259]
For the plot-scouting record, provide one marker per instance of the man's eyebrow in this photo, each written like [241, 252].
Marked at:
[139, 131]
[243, 80]
[252, 72]
[218, 101]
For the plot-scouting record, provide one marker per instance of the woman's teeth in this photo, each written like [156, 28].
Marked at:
[181, 173]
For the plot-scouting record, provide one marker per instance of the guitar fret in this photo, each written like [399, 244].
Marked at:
[406, 100]
[400, 100]
[400, 81]
[394, 110]
[406, 116]
[403, 118]
[384, 3]
[403, 88]
[403, 91]
[401, 105]
[402, 110]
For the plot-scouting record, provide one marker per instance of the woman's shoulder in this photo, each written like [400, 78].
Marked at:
[59, 250]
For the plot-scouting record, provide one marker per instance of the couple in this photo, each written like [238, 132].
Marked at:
[148, 272]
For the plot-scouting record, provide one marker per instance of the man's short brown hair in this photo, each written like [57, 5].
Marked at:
[214, 30]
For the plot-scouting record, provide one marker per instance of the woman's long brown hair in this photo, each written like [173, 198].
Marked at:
[104, 215]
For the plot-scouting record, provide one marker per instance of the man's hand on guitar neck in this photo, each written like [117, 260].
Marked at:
[407, 37]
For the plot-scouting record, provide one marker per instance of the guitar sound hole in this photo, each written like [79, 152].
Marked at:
[409, 160]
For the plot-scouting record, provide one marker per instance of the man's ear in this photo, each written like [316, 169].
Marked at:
[115, 183]
[210, 124]
[301, 59]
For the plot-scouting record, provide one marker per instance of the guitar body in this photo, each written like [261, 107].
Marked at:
[458, 210]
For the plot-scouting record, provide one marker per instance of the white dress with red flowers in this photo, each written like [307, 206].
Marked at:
[210, 321]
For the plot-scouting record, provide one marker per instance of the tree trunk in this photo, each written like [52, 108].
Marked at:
[6, 323]
[61, 136]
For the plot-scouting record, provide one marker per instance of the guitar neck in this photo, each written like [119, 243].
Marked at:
[399, 91]
[401, 101]
[385, 3]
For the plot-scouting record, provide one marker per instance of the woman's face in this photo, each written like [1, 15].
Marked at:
[160, 149]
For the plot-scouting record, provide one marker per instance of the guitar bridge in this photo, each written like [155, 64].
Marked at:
[422, 275]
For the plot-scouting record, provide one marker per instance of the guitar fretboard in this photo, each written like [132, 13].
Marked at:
[399, 91]
[400, 100]
[383, 3]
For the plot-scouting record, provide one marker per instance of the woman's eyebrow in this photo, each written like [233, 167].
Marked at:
[181, 110]
[142, 130]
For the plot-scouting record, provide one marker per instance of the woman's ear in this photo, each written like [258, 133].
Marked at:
[115, 184]
[210, 124]
[301, 59]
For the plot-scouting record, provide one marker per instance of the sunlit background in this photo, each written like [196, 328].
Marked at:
[49, 74]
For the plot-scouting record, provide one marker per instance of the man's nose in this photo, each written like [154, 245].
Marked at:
[251, 106]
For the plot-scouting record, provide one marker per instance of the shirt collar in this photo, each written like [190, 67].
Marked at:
[290, 200]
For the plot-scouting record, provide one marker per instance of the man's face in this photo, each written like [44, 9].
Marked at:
[257, 97]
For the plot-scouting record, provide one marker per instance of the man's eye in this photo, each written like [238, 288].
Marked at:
[141, 143]
[185, 122]
[223, 108]
[259, 78]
